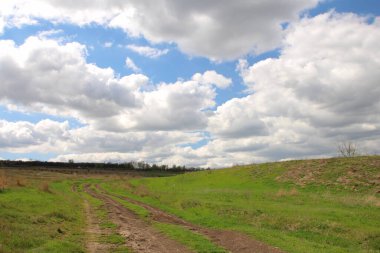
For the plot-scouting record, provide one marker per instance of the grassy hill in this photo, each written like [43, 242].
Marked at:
[326, 205]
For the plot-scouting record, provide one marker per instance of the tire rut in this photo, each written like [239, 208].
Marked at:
[140, 236]
[232, 241]
[93, 230]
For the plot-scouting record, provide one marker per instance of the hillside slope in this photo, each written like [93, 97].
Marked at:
[326, 205]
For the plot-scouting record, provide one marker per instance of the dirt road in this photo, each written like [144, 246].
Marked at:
[142, 237]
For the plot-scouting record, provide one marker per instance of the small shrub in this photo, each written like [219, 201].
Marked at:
[45, 188]
[347, 149]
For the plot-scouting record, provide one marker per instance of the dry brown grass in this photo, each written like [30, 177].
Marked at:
[3, 181]
[285, 193]
[359, 173]
[141, 190]
[45, 187]
[373, 201]
[21, 182]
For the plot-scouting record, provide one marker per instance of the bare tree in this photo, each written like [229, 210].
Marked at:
[347, 149]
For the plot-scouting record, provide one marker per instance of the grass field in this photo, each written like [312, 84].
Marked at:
[326, 205]
[37, 215]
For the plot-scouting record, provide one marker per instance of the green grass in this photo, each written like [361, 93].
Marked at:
[326, 205]
[140, 211]
[300, 206]
[47, 216]
[30, 220]
[114, 239]
[194, 241]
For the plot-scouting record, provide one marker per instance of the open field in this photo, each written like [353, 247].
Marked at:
[326, 205]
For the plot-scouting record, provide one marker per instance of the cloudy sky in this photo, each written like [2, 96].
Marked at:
[199, 83]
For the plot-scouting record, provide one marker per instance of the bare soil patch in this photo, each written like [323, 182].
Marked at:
[94, 232]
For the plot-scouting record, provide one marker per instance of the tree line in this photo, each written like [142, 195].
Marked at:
[102, 166]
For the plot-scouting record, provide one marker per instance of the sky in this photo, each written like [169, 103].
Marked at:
[196, 83]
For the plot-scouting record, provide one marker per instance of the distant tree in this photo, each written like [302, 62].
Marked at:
[71, 160]
[347, 149]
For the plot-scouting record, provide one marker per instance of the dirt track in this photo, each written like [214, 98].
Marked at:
[94, 232]
[142, 237]
[232, 241]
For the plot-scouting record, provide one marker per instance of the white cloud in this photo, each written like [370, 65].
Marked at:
[323, 89]
[237, 119]
[21, 136]
[44, 75]
[212, 78]
[21, 12]
[149, 52]
[180, 105]
[48, 33]
[129, 63]
[88, 144]
[225, 30]
[2, 25]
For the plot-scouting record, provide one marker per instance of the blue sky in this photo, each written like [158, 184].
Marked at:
[229, 84]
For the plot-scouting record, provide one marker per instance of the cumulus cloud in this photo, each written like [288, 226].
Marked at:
[2, 25]
[180, 105]
[225, 30]
[54, 78]
[323, 89]
[183, 105]
[222, 30]
[212, 78]
[24, 136]
[149, 52]
[20, 12]
[45, 75]
[89, 143]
